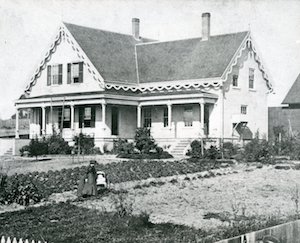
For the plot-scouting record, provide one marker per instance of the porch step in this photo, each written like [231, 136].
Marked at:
[9, 152]
[180, 147]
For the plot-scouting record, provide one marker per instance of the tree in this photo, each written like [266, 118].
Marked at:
[144, 142]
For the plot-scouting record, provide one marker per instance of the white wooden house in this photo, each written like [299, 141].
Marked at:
[107, 84]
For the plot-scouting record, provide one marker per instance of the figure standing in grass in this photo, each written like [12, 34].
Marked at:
[87, 184]
[91, 179]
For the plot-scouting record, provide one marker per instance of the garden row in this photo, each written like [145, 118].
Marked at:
[35, 186]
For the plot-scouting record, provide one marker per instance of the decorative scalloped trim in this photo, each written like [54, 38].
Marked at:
[248, 43]
[64, 33]
[205, 85]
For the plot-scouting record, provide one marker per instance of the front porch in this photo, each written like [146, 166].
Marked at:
[169, 118]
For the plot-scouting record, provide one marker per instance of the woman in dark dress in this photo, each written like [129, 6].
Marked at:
[87, 184]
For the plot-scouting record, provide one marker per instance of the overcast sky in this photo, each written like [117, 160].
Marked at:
[27, 28]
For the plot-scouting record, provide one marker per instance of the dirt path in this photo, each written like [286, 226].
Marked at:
[263, 191]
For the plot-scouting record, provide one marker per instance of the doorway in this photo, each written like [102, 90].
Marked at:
[115, 120]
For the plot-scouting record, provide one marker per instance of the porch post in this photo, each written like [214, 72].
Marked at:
[202, 117]
[43, 120]
[17, 124]
[103, 114]
[72, 116]
[170, 116]
[139, 113]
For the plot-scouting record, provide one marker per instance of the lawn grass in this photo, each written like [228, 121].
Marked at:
[68, 223]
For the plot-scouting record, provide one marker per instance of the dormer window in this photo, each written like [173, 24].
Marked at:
[54, 74]
[75, 72]
[235, 80]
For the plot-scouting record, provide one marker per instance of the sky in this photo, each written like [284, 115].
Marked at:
[28, 26]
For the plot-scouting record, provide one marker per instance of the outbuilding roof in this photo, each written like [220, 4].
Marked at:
[293, 96]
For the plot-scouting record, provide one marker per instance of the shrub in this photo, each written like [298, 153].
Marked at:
[144, 141]
[229, 150]
[57, 145]
[212, 153]
[122, 146]
[257, 150]
[37, 147]
[196, 149]
[24, 150]
[84, 144]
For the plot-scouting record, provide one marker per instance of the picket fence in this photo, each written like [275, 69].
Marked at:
[14, 240]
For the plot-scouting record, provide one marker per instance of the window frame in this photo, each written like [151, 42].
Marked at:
[70, 73]
[148, 117]
[188, 123]
[166, 117]
[244, 109]
[235, 82]
[83, 121]
[251, 78]
[57, 77]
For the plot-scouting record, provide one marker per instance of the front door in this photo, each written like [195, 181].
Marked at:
[115, 121]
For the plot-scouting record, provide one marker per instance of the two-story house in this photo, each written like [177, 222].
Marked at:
[107, 84]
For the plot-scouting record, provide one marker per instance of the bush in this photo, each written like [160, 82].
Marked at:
[144, 141]
[212, 153]
[229, 150]
[84, 144]
[25, 149]
[196, 149]
[258, 150]
[122, 146]
[57, 145]
[37, 147]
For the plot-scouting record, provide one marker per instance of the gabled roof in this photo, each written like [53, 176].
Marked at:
[113, 54]
[187, 59]
[293, 96]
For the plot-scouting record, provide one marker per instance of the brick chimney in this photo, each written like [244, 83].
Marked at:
[205, 26]
[136, 28]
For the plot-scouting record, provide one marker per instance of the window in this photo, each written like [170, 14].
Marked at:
[75, 72]
[64, 114]
[188, 116]
[243, 109]
[166, 118]
[54, 74]
[251, 78]
[235, 80]
[147, 117]
[87, 116]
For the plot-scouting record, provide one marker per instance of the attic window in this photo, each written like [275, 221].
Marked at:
[251, 78]
[235, 80]
[75, 72]
[54, 74]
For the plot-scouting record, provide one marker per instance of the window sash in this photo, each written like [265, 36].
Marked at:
[166, 118]
[147, 117]
[188, 116]
[251, 78]
[235, 80]
[244, 109]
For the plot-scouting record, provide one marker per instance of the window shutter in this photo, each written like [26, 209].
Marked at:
[48, 75]
[60, 74]
[81, 72]
[69, 74]
[93, 118]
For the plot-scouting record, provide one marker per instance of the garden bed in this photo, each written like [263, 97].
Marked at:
[58, 181]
